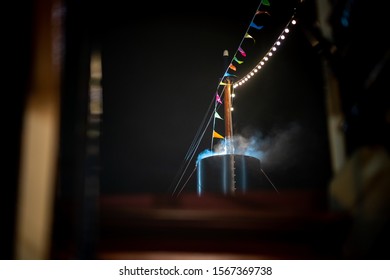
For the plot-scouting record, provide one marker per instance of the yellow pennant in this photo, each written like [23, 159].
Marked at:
[216, 135]
[250, 37]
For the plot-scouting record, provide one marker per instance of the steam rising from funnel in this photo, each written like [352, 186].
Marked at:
[243, 146]
[280, 149]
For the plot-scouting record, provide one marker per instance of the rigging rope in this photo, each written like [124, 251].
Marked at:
[208, 117]
[203, 127]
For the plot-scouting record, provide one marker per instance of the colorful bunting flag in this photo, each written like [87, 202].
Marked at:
[230, 75]
[241, 51]
[256, 26]
[218, 99]
[217, 135]
[238, 61]
[216, 115]
[250, 37]
[231, 66]
[263, 12]
[265, 2]
[223, 84]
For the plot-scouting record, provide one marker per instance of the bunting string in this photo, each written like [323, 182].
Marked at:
[268, 54]
[212, 111]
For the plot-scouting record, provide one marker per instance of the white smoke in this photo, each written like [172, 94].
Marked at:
[280, 148]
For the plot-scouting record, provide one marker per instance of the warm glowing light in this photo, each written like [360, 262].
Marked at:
[233, 95]
[266, 57]
[231, 109]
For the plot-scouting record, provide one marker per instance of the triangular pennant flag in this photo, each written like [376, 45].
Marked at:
[241, 51]
[218, 99]
[265, 2]
[216, 115]
[238, 61]
[231, 66]
[250, 37]
[256, 26]
[230, 75]
[223, 84]
[263, 12]
[216, 135]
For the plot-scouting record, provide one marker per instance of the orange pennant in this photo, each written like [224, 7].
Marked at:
[216, 135]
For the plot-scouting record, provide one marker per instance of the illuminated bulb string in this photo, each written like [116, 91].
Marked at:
[267, 56]
[210, 114]
[258, 67]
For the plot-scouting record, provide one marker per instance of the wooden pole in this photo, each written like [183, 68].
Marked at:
[228, 112]
[229, 135]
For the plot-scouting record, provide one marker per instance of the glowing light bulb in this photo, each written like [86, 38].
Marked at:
[264, 59]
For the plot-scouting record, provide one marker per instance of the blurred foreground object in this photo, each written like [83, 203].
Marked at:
[350, 35]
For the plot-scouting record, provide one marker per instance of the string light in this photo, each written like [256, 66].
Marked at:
[268, 55]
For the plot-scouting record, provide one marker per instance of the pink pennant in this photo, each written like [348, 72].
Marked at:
[241, 51]
[218, 99]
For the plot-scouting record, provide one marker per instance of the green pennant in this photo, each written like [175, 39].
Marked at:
[265, 2]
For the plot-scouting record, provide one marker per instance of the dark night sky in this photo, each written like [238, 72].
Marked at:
[161, 67]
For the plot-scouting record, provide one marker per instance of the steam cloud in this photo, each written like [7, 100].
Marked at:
[281, 148]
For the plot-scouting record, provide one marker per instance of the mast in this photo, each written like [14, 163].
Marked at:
[229, 130]
[227, 108]
[228, 116]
